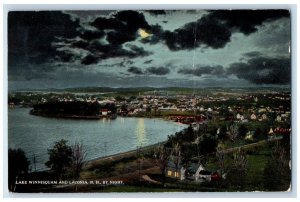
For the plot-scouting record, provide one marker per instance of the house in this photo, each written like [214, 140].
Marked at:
[174, 168]
[11, 105]
[271, 134]
[204, 175]
[278, 118]
[182, 173]
[282, 131]
[192, 172]
[215, 176]
[104, 112]
[196, 172]
[264, 117]
[253, 117]
[238, 116]
[249, 135]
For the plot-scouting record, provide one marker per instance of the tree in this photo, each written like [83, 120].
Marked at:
[242, 131]
[176, 155]
[161, 155]
[17, 164]
[221, 133]
[240, 165]
[207, 145]
[237, 174]
[78, 159]
[232, 131]
[60, 157]
[260, 134]
[188, 151]
[277, 174]
[221, 160]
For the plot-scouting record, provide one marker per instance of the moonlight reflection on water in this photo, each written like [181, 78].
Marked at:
[35, 134]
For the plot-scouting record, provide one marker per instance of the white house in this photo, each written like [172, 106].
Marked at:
[249, 135]
[253, 117]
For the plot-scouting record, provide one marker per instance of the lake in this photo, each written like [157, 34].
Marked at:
[36, 134]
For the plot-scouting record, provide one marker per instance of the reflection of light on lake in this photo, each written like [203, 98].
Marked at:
[122, 120]
[105, 120]
[141, 132]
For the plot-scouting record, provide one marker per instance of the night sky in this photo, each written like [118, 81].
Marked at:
[157, 48]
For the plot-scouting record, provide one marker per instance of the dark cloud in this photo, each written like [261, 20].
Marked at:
[118, 38]
[123, 26]
[80, 44]
[40, 42]
[127, 62]
[263, 70]
[101, 52]
[120, 28]
[201, 70]
[205, 31]
[191, 11]
[214, 29]
[246, 21]
[158, 70]
[104, 51]
[135, 70]
[140, 51]
[65, 56]
[148, 61]
[89, 59]
[31, 33]
[90, 35]
[103, 23]
[252, 54]
[118, 51]
[156, 12]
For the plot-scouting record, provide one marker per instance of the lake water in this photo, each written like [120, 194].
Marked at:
[35, 134]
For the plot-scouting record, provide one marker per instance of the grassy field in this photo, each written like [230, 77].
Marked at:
[257, 159]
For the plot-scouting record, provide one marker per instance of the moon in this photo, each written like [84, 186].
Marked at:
[143, 33]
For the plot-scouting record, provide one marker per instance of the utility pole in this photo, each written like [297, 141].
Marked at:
[105, 148]
[34, 162]
[138, 151]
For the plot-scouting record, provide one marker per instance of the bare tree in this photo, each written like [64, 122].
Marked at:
[232, 131]
[240, 164]
[279, 156]
[277, 172]
[176, 155]
[161, 155]
[221, 160]
[78, 157]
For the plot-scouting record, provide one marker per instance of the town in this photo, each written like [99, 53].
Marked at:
[232, 140]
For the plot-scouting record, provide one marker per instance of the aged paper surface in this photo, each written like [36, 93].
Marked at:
[149, 101]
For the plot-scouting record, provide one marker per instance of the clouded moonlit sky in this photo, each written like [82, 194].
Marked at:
[157, 48]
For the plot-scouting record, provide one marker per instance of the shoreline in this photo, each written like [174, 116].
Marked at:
[80, 117]
[115, 157]
[128, 153]
[120, 156]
